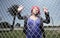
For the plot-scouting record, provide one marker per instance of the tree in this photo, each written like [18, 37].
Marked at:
[5, 25]
[13, 11]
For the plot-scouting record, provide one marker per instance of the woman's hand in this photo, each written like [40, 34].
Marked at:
[20, 8]
[45, 10]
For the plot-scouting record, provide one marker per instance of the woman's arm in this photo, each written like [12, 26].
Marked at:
[21, 17]
[47, 20]
[20, 8]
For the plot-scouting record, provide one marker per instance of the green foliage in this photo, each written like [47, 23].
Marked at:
[20, 34]
[13, 10]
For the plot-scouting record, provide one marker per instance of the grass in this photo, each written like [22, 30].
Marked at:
[20, 34]
[52, 34]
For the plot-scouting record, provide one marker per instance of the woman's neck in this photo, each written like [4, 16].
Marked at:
[33, 17]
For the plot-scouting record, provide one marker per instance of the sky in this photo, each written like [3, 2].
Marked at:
[53, 8]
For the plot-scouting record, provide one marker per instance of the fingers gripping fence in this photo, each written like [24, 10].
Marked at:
[10, 26]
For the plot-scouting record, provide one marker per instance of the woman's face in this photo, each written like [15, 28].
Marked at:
[35, 11]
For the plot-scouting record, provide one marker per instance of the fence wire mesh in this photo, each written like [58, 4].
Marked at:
[10, 26]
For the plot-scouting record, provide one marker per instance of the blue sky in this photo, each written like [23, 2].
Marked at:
[52, 5]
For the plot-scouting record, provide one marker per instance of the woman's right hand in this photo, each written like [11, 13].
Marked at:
[20, 8]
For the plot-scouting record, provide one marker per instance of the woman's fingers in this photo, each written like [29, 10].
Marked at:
[20, 8]
[45, 9]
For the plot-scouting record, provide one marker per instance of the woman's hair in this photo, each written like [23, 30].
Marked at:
[35, 7]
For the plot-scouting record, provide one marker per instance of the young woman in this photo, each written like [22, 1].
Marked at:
[33, 25]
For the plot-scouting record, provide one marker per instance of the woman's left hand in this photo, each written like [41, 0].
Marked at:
[45, 10]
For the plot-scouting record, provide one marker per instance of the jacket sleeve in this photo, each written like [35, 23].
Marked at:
[21, 17]
[47, 20]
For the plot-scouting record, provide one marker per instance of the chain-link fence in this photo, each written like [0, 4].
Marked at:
[12, 27]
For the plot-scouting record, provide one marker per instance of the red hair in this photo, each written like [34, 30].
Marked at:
[35, 7]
